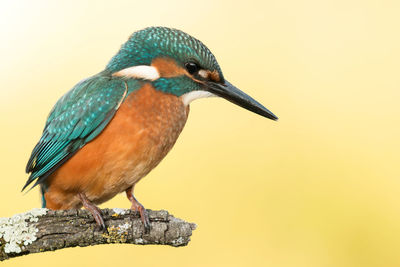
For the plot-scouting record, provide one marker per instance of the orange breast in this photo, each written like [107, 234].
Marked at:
[141, 133]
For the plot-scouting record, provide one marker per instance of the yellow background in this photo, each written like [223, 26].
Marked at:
[320, 187]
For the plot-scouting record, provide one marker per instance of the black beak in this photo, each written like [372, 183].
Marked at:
[234, 95]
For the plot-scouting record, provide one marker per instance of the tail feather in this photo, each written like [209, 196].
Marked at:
[42, 191]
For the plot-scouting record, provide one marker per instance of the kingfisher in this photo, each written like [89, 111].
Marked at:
[110, 130]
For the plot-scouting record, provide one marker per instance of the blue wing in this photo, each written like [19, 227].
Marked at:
[76, 119]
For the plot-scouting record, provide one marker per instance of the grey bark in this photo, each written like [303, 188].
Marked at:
[45, 230]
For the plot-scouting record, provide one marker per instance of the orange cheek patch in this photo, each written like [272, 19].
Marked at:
[210, 75]
[168, 68]
[214, 76]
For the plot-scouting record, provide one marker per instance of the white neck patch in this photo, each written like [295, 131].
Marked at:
[151, 73]
[139, 72]
[189, 97]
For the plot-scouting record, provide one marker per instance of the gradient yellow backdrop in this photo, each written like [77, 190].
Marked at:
[320, 187]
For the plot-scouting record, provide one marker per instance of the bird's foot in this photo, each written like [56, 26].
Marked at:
[94, 210]
[136, 206]
[144, 216]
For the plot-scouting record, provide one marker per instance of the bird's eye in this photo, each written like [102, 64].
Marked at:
[192, 67]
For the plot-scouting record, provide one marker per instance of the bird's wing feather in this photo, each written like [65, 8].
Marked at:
[77, 118]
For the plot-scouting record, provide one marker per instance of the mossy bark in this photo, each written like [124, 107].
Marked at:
[71, 228]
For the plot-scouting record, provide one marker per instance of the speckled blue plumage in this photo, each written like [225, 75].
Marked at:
[78, 117]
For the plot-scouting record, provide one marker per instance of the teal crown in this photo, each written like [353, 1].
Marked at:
[145, 45]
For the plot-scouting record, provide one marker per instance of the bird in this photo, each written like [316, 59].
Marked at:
[111, 129]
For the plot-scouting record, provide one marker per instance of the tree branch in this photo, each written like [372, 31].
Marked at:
[42, 230]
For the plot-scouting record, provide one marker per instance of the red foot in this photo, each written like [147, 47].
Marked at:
[144, 216]
[96, 212]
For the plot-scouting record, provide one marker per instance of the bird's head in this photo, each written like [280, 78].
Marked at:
[179, 64]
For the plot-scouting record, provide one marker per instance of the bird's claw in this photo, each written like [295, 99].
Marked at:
[94, 210]
[144, 216]
[99, 220]
[136, 206]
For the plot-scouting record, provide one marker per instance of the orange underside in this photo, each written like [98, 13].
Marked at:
[141, 133]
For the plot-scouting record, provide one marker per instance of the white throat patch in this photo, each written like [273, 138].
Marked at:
[189, 97]
[140, 72]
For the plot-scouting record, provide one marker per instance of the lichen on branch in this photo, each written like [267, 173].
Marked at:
[41, 230]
